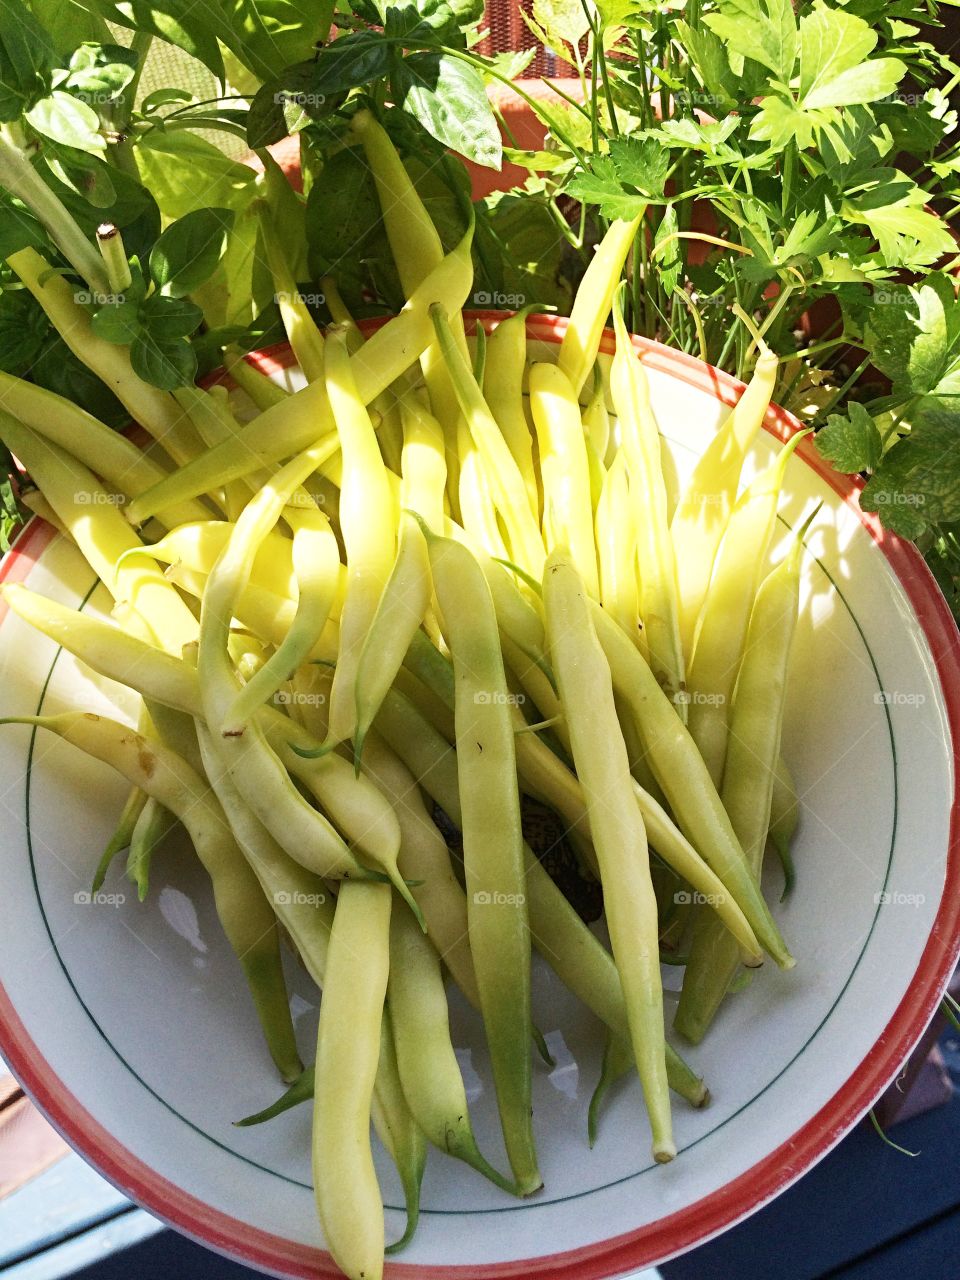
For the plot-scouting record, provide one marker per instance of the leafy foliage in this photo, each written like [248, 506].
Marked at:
[803, 152]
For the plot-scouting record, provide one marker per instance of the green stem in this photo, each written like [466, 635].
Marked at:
[120, 149]
[110, 244]
[814, 350]
[832, 403]
[20, 178]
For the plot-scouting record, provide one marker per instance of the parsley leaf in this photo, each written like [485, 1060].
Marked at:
[852, 443]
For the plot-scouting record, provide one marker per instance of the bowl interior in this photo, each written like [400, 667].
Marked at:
[139, 1013]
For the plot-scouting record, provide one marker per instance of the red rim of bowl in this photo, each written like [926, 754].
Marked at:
[708, 1216]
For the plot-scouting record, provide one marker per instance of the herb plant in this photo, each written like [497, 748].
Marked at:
[797, 161]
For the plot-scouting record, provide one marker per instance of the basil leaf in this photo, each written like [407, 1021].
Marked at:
[184, 172]
[22, 330]
[348, 62]
[59, 370]
[423, 21]
[68, 25]
[282, 106]
[26, 58]
[345, 236]
[19, 229]
[94, 192]
[178, 22]
[117, 322]
[101, 71]
[187, 253]
[449, 99]
[524, 252]
[163, 98]
[67, 120]
[169, 318]
[166, 365]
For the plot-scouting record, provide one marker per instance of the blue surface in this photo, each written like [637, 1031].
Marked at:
[866, 1212]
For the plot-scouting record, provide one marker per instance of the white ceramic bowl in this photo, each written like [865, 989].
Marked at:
[130, 1025]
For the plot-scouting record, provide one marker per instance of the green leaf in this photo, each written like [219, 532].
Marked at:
[853, 145]
[26, 58]
[185, 172]
[97, 192]
[19, 229]
[916, 485]
[908, 235]
[670, 261]
[707, 53]
[780, 122]
[600, 185]
[695, 136]
[23, 330]
[285, 105]
[267, 35]
[913, 335]
[59, 370]
[117, 322]
[562, 22]
[169, 318]
[68, 24]
[345, 236]
[868, 83]
[67, 120]
[518, 231]
[166, 365]
[852, 443]
[188, 251]
[831, 43]
[641, 162]
[183, 23]
[449, 99]
[101, 71]
[163, 98]
[763, 30]
[349, 62]
[426, 21]
[512, 63]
